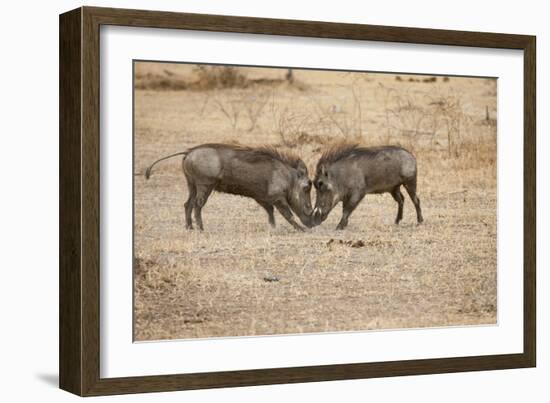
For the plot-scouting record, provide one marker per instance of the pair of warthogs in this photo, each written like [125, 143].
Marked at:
[275, 179]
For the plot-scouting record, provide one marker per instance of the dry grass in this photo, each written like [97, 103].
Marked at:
[195, 77]
[239, 277]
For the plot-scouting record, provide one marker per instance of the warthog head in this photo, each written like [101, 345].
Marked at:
[300, 195]
[327, 195]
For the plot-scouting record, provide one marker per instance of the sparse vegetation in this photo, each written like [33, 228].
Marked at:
[205, 78]
[239, 277]
[219, 77]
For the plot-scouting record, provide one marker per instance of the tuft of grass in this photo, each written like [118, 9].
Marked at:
[219, 77]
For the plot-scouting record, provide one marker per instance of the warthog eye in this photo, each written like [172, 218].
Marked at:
[318, 184]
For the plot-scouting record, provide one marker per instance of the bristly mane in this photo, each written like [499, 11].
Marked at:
[344, 150]
[254, 154]
[337, 152]
[288, 158]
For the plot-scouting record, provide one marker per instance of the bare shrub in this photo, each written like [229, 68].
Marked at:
[218, 77]
[211, 78]
[245, 107]
[431, 121]
[159, 82]
[319, 121]
[298, 129]
[406, 120]
[231, 109]
[347, 120]
[253, 107]
[208, 78]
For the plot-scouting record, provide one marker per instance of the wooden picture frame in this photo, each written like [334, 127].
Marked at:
[79, 348]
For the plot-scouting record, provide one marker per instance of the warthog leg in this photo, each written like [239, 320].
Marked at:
[269, 209]
[286, 212]
[348, 205]
[400, 199]
[411, 190]
[203, 192]
[190, 203]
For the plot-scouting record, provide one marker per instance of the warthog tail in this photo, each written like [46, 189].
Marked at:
[148, 170]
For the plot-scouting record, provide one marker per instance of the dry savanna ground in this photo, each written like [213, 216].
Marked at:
[241, 277]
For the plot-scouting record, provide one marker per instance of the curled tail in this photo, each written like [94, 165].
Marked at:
[148, 170]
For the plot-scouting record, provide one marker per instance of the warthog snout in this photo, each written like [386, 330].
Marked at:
[301, 200]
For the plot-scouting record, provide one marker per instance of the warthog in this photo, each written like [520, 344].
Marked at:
[271, 177]
[347, 172]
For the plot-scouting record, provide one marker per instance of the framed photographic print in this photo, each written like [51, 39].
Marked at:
[249, 201]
